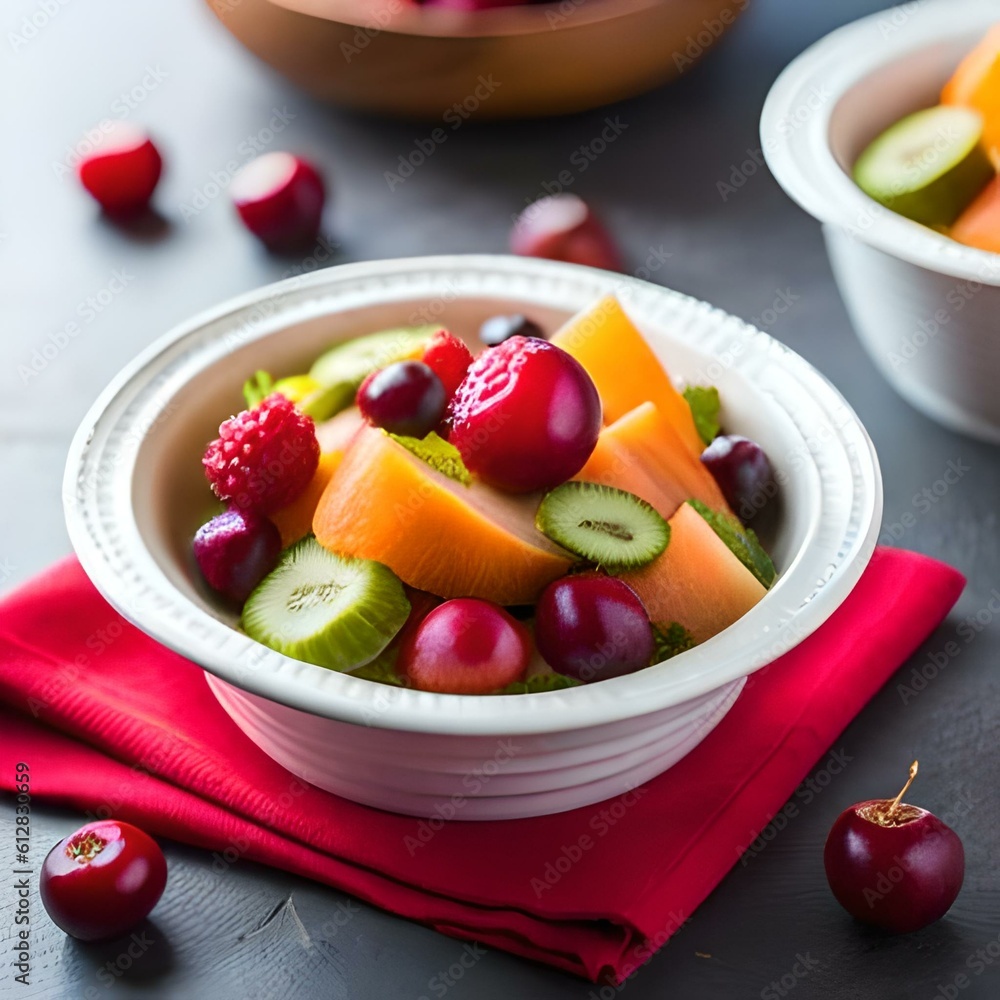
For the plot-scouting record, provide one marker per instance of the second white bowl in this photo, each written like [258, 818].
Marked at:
[924, 306]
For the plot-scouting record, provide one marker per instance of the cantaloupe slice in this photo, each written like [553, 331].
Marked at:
[624, 368]
[976, 84]
[642, 452]
[432, 531]
[979, 225]
[697, 582]
[295, 520]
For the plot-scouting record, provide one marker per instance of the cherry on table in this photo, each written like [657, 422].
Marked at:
[123, 170]
[894, 865]
[102, 880]
[280, 199]
[563, 227]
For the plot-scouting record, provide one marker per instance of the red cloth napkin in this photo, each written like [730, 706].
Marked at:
[112, 723]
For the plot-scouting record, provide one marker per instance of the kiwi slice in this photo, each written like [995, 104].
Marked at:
[342, 369]
[741, 541]
[929, 166]
[603, 525]
[326, 609]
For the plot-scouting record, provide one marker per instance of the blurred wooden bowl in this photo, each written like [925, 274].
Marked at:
[391, 57]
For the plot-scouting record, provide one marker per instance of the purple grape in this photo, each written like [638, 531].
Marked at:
[743, 473]
[497, 329]
[593, 627]
[403, 398]
[235, 551]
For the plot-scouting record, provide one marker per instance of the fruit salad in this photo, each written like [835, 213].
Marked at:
[939, 165]
[542, 513]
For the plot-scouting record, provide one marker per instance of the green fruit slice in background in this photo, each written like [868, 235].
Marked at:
[342, 369]
[929, 166]
[326, 609]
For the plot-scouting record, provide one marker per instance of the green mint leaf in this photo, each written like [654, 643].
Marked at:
[705, 406]
[257, 389]
[670, 640]
[540, 682]
[438, 454]
[741, 541]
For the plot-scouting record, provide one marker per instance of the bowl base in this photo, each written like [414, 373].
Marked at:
[437, 777]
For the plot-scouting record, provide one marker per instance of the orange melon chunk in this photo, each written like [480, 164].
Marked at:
[624, 368]
[642, 452]
[433, 532]
[295, 520]
[976, 84]
[697, 582]
[979, 225]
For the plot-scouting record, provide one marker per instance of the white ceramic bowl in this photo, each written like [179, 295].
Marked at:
[134, 493]
[924, 306]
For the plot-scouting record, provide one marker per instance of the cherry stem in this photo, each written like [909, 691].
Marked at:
[895, 801]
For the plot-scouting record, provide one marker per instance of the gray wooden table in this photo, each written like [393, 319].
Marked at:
[245, 931]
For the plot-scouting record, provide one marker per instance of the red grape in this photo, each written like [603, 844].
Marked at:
[466, 646]
[742, 471]
[235, 551]
[593, 627]
[497, 329]
[405, 398]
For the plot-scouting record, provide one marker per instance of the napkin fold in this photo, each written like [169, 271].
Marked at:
[111, 723]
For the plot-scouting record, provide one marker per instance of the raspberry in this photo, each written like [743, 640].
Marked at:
[449, 359]
[263, 458]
